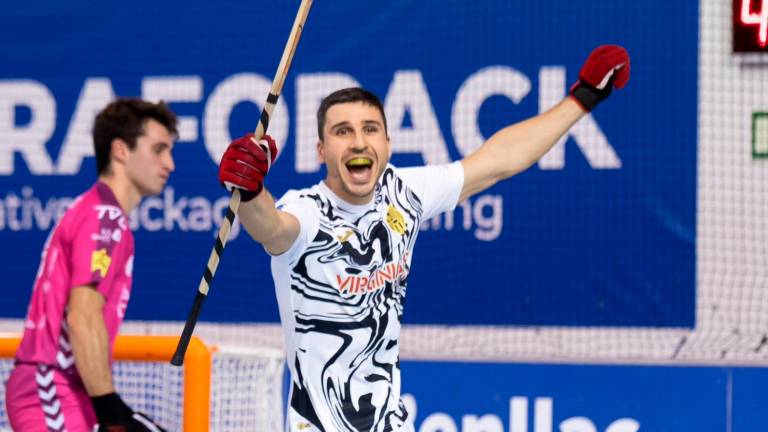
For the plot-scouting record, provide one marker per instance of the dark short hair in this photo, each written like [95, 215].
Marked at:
[125, 118]
[352, 94]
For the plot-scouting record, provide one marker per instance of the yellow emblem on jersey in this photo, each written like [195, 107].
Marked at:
[302, 426]
[346, 236]
[395, 220]
[100, 261]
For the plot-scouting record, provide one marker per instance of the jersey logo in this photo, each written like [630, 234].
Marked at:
[107, 235]
[109, 211]
[100, 261]
[112, 213]
[122, 305]
[343, 238]
[129, 267]
[395, 220]
[361, 284]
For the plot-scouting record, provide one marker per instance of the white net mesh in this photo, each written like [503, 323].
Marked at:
[5, 369]
[149, 387]
[154, 388]
[246, 390]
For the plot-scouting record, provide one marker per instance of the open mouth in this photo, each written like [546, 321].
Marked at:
[360, 169]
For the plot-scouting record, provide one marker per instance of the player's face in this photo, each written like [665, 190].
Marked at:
[355, 150]
[150, 163]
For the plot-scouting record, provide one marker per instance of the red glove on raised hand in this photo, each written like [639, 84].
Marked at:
[245, 163]
[606, 67]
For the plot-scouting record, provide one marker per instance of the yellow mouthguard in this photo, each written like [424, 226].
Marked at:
[359, 162]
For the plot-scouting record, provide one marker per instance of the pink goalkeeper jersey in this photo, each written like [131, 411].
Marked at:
[91, 245]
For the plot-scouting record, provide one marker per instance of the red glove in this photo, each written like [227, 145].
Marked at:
[606, 67]
[245, 164]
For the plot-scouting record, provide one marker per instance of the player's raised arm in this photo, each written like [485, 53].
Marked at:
[515, 148]
[244, 165]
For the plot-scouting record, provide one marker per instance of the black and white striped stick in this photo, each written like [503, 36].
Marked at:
[234, 202]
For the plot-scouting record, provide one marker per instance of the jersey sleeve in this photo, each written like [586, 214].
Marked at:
[94, 242]
[437, 186]
[306, 211]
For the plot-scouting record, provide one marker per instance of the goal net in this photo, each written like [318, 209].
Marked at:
[220, 388]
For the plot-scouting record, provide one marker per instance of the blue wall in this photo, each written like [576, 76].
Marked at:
[579, 245]
[607, 398]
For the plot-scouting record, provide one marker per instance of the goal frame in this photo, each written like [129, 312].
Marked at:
[150, 348]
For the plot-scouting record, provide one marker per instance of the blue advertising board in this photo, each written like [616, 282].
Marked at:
[495, 397]
[600, 233]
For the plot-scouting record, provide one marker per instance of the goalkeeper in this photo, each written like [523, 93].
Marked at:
[62, 378]
[342, 249]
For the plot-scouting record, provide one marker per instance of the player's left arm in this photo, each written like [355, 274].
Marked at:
[515, 148]
[89, 339]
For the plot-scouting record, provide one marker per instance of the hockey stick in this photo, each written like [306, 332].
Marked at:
[234, 202]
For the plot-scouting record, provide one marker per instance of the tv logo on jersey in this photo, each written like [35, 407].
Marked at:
[112, 213]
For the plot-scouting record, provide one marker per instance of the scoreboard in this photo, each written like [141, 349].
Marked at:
[750, 26]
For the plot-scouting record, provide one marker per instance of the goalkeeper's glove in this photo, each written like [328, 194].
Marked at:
[115, 416]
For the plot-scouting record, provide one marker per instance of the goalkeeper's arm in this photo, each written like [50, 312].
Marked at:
[90, 346]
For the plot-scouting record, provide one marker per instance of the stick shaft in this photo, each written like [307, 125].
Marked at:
[234, 202]
[189, 327]
[283, 67]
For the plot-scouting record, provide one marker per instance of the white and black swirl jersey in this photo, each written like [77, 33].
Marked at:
[340, 288]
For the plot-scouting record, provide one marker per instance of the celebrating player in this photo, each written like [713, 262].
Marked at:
[62, 379]
[342, 249]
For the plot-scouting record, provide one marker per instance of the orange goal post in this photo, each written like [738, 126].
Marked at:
[217, 389]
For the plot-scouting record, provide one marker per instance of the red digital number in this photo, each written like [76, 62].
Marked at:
[750, 25]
